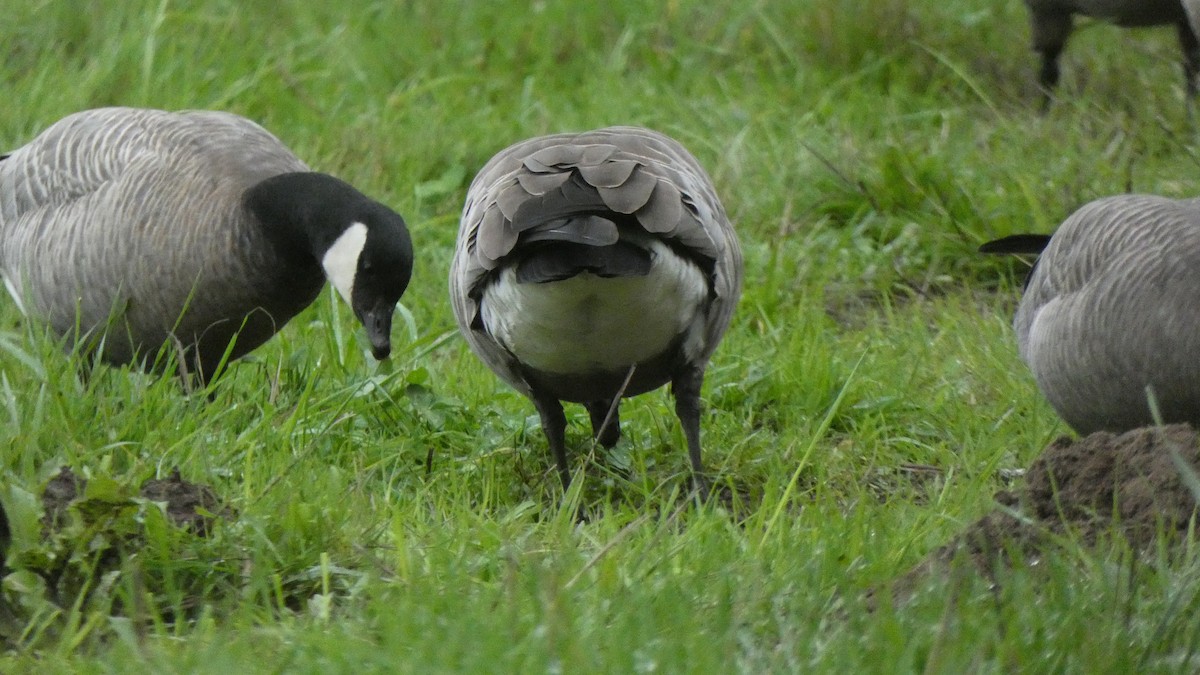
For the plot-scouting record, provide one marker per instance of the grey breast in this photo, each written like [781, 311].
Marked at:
[1112, 307]
[121, 212]
[628, 170]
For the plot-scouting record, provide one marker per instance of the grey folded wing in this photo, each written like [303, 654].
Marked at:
[1106, 246]
[83, 202]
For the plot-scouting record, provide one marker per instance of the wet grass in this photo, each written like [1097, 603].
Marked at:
[404, 517]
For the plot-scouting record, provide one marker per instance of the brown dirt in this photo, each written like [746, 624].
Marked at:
[60, 491]
[76, 557]
[1102, 486]
[188, 505]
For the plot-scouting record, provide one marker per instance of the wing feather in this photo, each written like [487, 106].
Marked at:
[544, 187]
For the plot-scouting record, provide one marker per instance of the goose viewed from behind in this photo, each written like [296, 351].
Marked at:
[141, 228]
[596, 266]
[1112, 308]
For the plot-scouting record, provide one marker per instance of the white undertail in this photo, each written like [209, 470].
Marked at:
[591, 324]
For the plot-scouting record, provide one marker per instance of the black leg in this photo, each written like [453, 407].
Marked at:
[1049, 74]
[1050, 26]
[686, 385]
[1191, 57]
[606, 434]
[554, 425]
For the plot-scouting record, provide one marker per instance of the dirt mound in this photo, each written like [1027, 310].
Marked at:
[1133, 485]
[188, 505]
[94, 533]
[64, 488]
[1136, 483]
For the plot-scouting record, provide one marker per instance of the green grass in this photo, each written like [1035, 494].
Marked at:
[864, 148]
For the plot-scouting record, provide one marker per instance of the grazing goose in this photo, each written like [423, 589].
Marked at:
[596, 266]
[145, 227]
[1111, 308]
[1051, 21]
[1192, 9]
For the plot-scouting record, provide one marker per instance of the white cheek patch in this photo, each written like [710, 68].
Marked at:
[341, 260]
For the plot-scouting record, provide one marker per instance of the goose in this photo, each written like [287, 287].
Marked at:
[133, 229]
[1192, 9]
[595, 266]
[1051, 22]
[1109, 312]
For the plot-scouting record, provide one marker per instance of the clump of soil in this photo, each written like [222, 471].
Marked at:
[189, 505]
[92, 533]
[64, 488]
[1136, 482]
[1133, 485]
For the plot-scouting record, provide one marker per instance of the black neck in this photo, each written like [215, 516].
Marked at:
[304, 213]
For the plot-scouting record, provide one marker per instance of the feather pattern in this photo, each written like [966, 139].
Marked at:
[112, 175]
[139, 216]
[581, 256]
[1110, 310]
[661, 184]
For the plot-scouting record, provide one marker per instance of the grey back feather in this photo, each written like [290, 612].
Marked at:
[125, 209]
[527, 188]
[1192, 9]
[1112, 307]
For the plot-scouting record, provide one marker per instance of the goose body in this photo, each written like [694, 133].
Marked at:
[595, 266]
[1111, 308]
[1192, 9]
[136, 228]
[1052, 23]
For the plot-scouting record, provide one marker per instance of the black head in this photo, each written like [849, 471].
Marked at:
[381, 275]
[362, 245]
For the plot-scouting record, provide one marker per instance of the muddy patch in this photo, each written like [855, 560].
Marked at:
[188, 505]
[60, 492]
[191, 506]
[98, 537]
[1131, 486]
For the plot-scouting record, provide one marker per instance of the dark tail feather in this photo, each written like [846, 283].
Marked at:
[556, 261]
[1017, 244]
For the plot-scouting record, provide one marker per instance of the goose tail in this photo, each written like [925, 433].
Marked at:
[1020, 244]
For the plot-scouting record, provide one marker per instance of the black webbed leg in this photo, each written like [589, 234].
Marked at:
[1049, 75]
[1190, 46]
[1050, 28]
[554, 425]
[606, 434]
[686, 386]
